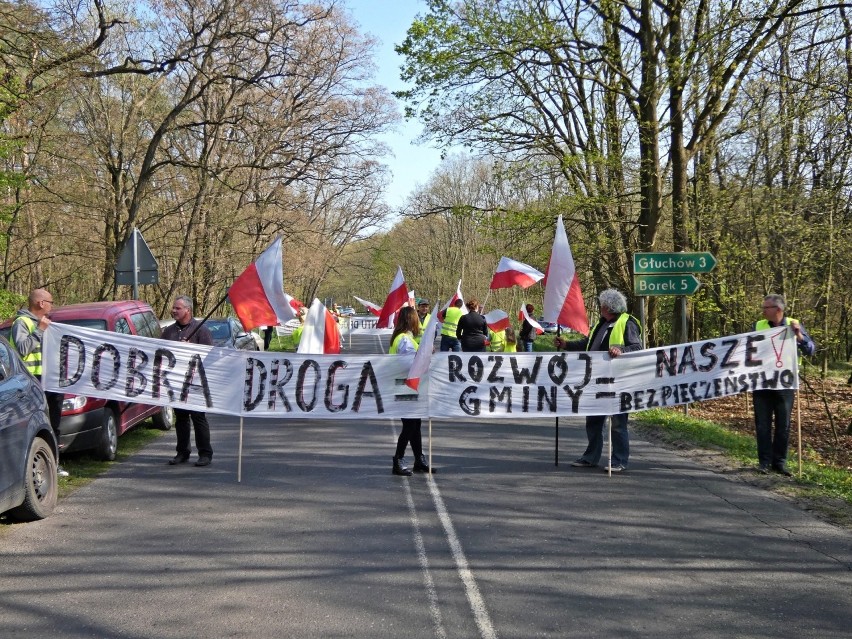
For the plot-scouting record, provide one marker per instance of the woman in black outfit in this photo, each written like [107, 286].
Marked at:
[472, 330]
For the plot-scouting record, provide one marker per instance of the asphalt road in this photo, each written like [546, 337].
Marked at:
[318, 539]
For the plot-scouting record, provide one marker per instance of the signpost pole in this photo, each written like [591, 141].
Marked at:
[135, 264]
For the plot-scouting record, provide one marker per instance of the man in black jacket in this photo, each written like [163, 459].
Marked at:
[188, 329]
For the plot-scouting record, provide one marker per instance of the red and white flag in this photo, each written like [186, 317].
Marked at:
[423, 357]
[497, 320]
[563, 300]
[397, 296]
[295, 304]
[523, 315]
[257, 295]
[320, 335]
[457, 296]
[375, 309]
[511, 273]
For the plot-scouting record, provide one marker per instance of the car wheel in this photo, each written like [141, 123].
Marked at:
[41, 484]
[108, 445]
[165, 419]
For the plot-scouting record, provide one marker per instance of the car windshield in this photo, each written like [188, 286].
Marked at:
[98, 324]
[219, 330]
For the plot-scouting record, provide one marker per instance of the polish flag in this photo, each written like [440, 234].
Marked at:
[257, 295]
[457, 296]
[523, 315]
[563, 300]
[375, 309]
[512, 273]
[320, 335]
[295, 304]
[397, 297]
[497, 320]
[424, 354]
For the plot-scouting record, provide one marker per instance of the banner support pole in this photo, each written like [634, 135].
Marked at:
[240, 454]
[556, 445]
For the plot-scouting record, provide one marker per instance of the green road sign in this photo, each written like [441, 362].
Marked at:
[665, 285]
[657, 263]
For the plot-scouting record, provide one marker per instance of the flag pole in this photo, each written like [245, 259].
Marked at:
[609, 444]
[556, 445]
[430, 445]
[487, 295]
[240, 455]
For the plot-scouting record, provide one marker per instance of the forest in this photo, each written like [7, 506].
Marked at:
[214, 126]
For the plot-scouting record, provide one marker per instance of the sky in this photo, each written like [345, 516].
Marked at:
[388, 21]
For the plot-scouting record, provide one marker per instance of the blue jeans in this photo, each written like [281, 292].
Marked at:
[772, 408]
[528, 347]
[450, 344]
[620, 439]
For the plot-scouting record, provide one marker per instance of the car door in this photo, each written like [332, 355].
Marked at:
[131, 412]
[13, 424]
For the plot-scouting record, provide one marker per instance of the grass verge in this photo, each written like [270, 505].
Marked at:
[821, 484]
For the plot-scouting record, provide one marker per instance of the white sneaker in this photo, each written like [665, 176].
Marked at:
[615, 468]
[61, 472]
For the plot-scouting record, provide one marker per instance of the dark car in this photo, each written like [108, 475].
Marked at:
[93, 423]
[227, 332]
[28, 449]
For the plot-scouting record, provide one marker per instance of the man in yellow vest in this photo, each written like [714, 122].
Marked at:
[616, 332]
[775, 406]
[423, 315]
[26, 336]
[449, 325]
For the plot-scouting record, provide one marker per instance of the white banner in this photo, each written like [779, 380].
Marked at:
[362, 325]
[217, 380]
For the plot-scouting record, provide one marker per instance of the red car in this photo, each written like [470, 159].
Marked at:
[93, 423]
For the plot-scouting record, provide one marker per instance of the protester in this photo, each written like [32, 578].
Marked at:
[188, 329]
[497, 341]
[296, 336]
[527, 334]
[511, 341]
[473, 329]
[449, 325]
[26, 336]
[616, 332]
[423, 315]
[773, 407]
[404, 342]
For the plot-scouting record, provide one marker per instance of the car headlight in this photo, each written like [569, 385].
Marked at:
[74, 403]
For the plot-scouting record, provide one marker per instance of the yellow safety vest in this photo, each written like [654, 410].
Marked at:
[762, 325]
[395, 346]
[498, 341]
[616, 336]
[33, 360]
[451, 321]
[423, 323]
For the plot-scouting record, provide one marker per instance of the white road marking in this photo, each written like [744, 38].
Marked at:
[474, 598]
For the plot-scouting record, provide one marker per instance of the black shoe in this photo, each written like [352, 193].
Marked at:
[763, 469]
[422, 466]
[399, 467]
[782, 468]
[203, 461]
[180, 458]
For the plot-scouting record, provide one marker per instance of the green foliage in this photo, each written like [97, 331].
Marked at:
[10, 303]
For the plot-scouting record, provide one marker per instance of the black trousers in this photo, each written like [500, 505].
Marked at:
[772, 408]
[202, 432]
[54, 411]
[410, 434]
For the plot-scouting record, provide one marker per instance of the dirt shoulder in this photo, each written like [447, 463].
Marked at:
[831, 509]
